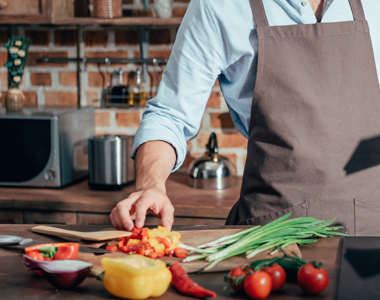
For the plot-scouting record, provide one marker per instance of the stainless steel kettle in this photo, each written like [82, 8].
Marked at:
[212, 171]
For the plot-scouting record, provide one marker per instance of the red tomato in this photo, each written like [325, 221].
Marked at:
[312, 280]
[237, 272]
[258, 285]
[278, 276]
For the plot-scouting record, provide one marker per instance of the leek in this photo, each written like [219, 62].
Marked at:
[276, 235]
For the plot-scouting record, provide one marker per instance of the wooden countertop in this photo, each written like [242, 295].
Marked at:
[187, 201]
[17, 283]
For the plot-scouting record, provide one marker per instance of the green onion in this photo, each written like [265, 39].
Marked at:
[276, 235]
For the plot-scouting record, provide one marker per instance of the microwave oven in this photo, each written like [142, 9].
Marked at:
[45, 146]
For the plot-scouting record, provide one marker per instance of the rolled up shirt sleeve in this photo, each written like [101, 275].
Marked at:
[197, 58]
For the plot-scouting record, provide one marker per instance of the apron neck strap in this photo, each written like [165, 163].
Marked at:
[259, 13]
[262, 21]
[357, 10]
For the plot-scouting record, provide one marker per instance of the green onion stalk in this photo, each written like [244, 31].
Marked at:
[276, 235]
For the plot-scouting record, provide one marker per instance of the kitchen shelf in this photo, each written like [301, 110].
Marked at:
[131, 21]
[24, 19]
[126, 21]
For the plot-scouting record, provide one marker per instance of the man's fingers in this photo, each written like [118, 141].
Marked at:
[116, 220]
[167, 216]
[141, 208]
[123, 209]
[122, 213]
[136, 206]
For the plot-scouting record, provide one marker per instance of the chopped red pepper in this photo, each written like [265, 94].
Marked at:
[123, 249]
[137, 230]
[166, 242]
[185, 285]
[160, 254]
[180, 252]
[135, 235]
[140, 250]
[144, 239]
[152, 255]
[111, 247]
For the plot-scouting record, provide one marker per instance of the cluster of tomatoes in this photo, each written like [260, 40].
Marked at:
[311, 278]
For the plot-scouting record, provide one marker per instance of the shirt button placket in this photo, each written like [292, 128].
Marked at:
[304, 3]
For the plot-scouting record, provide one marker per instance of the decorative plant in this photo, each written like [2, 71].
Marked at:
[18, 47]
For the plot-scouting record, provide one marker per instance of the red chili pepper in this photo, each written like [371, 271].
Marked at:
[185, 285]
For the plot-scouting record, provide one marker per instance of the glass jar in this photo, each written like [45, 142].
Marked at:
[14, 100]
[138, 91]
[119, 92]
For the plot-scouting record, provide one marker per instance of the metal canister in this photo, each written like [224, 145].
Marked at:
[110, 165]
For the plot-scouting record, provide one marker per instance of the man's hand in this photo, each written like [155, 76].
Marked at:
[136, 206]
[154, 162]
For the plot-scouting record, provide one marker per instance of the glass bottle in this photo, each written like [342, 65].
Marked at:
[138, 90]
[119, 92]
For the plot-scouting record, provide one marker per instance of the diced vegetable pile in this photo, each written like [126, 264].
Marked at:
[153, 243]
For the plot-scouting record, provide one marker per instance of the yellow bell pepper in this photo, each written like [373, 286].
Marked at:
[135, 276]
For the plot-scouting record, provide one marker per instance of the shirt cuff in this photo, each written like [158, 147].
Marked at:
[160, 133]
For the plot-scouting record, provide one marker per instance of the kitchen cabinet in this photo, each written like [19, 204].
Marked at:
[77, 204]
[25, 12]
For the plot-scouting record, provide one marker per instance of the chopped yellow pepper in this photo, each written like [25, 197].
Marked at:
[135, 277]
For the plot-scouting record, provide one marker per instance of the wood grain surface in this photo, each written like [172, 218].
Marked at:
[16, 283]
[88, 236]
[195, 238]
[187, 201]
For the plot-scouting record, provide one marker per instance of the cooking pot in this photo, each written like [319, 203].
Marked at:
[212, 171]
[110, 165]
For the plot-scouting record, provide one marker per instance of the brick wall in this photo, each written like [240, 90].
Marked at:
[56, 83]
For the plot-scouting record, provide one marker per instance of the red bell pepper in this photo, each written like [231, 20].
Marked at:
[53, 251]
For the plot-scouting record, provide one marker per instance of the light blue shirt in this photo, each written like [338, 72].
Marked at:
[217, 40]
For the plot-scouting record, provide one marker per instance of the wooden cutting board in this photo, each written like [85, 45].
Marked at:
[89, 236]
[195, 238]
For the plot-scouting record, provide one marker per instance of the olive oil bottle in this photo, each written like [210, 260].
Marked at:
[138, 94]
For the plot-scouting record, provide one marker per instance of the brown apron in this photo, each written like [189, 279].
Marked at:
[313, 147]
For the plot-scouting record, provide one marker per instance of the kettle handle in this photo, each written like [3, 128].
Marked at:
[212, 146]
